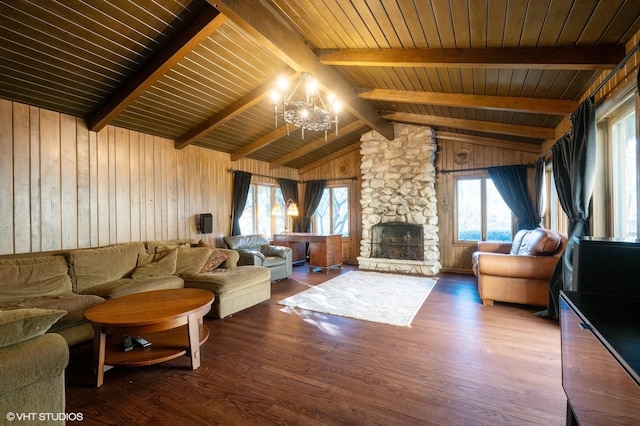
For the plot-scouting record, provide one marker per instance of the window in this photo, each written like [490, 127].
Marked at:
[256, 217]
[481, 213]
[332, 215]
[623, 140]
[554, 217]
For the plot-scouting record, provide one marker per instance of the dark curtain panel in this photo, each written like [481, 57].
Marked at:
[290, 192]
[511, 183]
[539, 180]
[312, 197]
[241, 183]
[574, 166]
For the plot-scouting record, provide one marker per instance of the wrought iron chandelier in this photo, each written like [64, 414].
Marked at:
[307, 110]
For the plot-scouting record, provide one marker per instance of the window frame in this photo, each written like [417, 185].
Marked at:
[623, 100]
[273, 220]
[625, 108]
[330, 190]
[483, 207]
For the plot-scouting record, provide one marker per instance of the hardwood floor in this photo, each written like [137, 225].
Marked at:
[460, 363]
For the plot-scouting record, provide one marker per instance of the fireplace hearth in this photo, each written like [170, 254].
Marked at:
[397, 240]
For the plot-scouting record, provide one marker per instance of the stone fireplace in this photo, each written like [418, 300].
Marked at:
[398, 196]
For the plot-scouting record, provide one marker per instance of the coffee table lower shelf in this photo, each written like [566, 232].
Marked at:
[165, 346]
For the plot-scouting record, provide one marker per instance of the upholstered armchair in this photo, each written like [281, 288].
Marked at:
[518, 272]
[256, 250]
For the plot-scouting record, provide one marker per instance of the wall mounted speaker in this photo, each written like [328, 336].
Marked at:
[206, 223]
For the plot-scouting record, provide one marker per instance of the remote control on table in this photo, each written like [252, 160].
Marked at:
[142, 342]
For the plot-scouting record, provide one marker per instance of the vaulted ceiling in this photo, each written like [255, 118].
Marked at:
[200, 72]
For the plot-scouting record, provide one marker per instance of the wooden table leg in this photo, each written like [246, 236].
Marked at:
[194, 340]
[99, 344]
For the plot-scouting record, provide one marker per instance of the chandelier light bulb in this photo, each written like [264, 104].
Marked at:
[283, 84]
[337, 106]
[312, 87]
[275, 96]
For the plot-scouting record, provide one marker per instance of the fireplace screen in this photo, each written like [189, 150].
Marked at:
[397, 240]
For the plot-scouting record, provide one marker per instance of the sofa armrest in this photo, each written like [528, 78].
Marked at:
[232, 258]
[505, 265]
[250, 257]
[272, 250]
[494, 246]
[33, 361]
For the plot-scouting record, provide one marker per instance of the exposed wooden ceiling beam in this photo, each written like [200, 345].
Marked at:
[260, 143]
[236, 108]
[479, 140]
[574, 57]
[268, 28]
[478, 126]
[527, 105]
[317, 144]
[334, 156]
[202, 27]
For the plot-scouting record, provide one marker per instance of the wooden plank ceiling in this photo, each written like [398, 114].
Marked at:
[200, 72]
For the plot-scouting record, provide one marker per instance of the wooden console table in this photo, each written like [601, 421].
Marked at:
[325, 251]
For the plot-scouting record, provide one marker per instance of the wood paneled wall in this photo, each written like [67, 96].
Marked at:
[64, 187]
[455, 256]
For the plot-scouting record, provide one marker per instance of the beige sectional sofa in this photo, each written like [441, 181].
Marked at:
[75, 280]
[49, 293]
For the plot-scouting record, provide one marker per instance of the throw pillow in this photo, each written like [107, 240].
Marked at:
[191, 260]
[157, 265]
[216, 259]
[19, 325]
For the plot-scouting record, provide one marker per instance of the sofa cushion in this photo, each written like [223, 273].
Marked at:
[33, 277]
[96, 266]
[517, 241]
[540, 242]
[271, 261]
[191, 260]
[223, 281]
[152, 246]
[74, 304]
[125, 286]
[157, 265]
[19, 325]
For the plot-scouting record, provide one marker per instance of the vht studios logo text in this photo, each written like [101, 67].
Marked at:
[44, 417]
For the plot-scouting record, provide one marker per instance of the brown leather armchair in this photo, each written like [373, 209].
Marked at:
[518, 272]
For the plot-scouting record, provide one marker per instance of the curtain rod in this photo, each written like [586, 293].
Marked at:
[616, 69]
[231, 170]
[601, 85]
[475, 169]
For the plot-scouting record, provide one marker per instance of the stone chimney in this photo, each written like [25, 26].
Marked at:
[398, 185]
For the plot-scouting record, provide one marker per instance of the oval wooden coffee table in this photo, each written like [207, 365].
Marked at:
[172, 320]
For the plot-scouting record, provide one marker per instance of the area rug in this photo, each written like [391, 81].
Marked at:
[371, 296]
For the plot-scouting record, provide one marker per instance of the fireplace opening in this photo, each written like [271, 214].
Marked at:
[397, 240]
